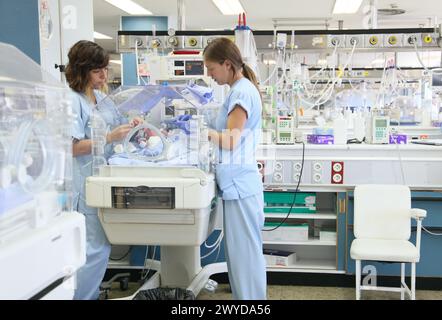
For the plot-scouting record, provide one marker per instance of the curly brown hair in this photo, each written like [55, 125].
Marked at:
[84, 56]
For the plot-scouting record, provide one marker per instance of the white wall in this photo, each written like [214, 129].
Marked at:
[71, 20]
[49, 41]
[77, 23]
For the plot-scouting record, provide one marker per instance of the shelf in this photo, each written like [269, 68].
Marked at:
[323, 216]
[307, 265]
[310, 242]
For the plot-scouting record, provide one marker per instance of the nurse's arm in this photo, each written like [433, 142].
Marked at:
[83, 147]
[229, 138]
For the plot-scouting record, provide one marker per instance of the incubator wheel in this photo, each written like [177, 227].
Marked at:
[124, 284]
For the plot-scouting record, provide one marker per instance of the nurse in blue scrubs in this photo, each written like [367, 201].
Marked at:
[86, 74]
[237, 133]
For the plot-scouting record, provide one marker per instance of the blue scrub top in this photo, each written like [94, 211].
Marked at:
[237, 172]
[82, 165]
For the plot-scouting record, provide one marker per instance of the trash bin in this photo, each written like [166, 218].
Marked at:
[165, 294]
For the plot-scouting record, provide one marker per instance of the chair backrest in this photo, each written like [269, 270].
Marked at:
[382, 212]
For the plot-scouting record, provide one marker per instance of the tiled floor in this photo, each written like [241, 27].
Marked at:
[295, 293]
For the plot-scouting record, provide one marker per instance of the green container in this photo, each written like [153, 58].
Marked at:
[283, 209]
[280, 202]
[302, 198]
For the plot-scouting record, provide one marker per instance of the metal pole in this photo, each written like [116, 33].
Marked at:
[374, 14]
[340, 24]
[181, 15]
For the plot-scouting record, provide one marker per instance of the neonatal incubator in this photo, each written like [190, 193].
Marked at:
[38, 228]
[156, 186]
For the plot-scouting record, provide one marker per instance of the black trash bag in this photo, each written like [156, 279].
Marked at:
[165, 294]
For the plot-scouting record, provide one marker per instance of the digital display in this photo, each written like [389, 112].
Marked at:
[179, 72]
[179, 63]
[194, 68]
[381, 123]
[285, 134]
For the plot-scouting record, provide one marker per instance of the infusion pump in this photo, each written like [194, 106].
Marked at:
[178, 67]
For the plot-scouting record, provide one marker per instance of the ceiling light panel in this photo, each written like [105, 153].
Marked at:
[229, 7]
[346, 6]
[130, 7]
[98, 35]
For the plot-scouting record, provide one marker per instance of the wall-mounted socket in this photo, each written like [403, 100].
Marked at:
[393, 40]
[357, 40]
[373, 40]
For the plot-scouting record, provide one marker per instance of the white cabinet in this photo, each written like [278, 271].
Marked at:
[315, 252]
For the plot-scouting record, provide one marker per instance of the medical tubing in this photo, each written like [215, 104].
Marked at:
[48, 168]
[144, 273]
[215, 242]
[216, 245]
[432, 233]
[418, 57]
[328, 91]
[273, 71]
[400, 162]
[212, 251]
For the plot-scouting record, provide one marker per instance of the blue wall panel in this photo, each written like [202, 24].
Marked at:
[129, 76]
[19, 26]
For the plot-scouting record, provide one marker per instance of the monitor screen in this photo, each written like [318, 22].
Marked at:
[194, 68]
[381, 123]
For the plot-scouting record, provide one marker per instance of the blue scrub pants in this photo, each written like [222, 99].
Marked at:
[243, 221]
[98, 249]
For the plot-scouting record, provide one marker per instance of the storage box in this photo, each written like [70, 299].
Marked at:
[281, 202]
[279, 257]
[327, 235]
[286, 232]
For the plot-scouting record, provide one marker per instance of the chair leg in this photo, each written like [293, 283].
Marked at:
[402, 280]
[413, 281]
[358, 279]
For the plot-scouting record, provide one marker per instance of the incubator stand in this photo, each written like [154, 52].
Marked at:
[39, 233]
[156, 187]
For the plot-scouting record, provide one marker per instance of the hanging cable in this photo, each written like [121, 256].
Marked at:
[294, 193]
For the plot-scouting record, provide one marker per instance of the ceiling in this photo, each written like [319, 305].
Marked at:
[203, 14]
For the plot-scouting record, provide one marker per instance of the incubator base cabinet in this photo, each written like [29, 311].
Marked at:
[169, 206]
[42, 264]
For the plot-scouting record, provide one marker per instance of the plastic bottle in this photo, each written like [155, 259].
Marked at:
[340, 130]
[359, 126]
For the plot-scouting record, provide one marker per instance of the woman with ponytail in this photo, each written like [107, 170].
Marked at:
[237, 134]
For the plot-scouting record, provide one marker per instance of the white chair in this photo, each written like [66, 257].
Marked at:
[382, 228]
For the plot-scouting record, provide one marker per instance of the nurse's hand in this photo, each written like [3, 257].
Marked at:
[136, 121]
[119, 133]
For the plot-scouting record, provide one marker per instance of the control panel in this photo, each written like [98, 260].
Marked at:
[285, 130]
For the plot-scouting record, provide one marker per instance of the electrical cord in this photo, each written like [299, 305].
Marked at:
[294, 193]
[432, 233]
[215, 246]
[144, 273]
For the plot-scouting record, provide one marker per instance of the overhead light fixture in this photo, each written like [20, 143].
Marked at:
[346, 6]
[229, 7]
[115, 61]
[130, 7]
[98, 35]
